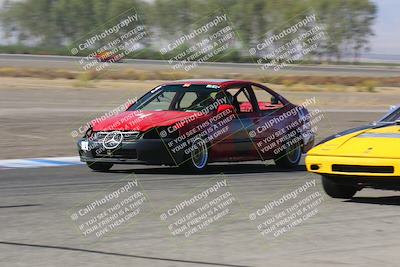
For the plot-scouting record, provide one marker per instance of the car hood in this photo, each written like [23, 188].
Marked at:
[141, 120]
[377, 143]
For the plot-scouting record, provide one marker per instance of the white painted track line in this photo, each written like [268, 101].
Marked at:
[39, 162]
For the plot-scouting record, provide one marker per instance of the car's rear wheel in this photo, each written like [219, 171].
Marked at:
[197, 161]
[290, 157]
[336, 190]
[99, 166]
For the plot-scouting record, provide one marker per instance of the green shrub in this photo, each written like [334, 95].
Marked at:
[369, 85]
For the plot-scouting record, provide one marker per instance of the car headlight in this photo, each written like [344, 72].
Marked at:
[88, 133]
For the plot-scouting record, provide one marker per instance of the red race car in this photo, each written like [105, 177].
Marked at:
[108, 56]
[192, 123]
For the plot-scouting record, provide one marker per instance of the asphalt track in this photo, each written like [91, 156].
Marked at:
[37, 230]
[66, 62]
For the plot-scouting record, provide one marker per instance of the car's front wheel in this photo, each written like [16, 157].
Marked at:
[336, 190]
[198, 159]
[290, 157]
[99, 166]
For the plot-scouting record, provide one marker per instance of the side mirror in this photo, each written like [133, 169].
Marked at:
[223, 107]
[274, 101]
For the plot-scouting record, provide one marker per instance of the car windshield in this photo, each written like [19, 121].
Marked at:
[178, 97]
[393, 116]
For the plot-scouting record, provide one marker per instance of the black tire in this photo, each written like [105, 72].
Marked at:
[290, 157]
[336, 190]
[99, 166]
[197, 161]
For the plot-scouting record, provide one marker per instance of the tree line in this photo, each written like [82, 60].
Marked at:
[58, 23]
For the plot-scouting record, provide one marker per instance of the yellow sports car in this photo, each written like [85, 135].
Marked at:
[365, 158]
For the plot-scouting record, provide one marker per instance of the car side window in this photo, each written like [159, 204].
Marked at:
[265, 100]
[241, 100]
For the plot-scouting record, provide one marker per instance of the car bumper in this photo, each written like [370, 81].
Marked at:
[353, 167]
[142, 151]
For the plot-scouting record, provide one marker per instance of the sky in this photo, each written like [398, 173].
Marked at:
[387, 28]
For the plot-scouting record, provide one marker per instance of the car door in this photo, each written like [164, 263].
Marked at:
[236, 143]
[271, 123]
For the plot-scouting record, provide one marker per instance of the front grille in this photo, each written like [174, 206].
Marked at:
[118, 153]
[360, 168]
[128, 136]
